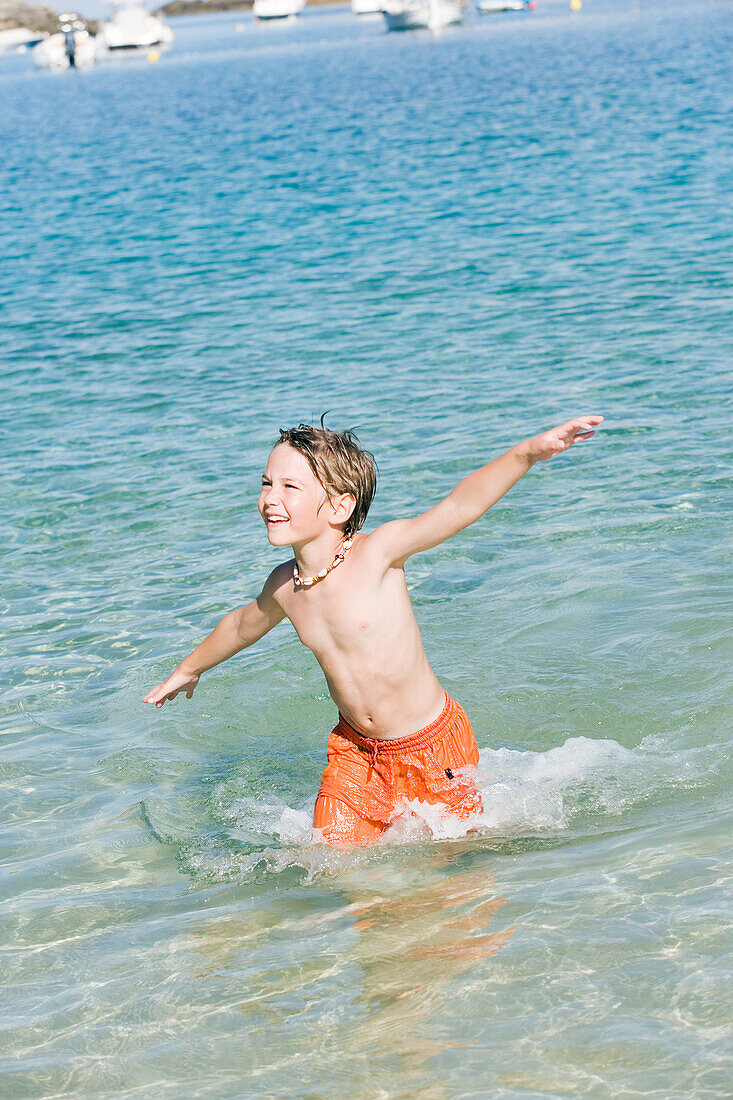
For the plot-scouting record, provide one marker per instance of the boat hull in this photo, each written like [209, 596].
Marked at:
[18, 38]
[367, 7]
[493, 7]
[424, 15]
[268, 10]
[52, 52]
[132, 28]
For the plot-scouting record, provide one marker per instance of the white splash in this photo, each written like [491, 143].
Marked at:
[524, 794]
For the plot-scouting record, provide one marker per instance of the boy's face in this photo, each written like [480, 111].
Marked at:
[293, 503]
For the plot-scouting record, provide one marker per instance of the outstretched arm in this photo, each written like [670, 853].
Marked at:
[236, 631]
[478, 492]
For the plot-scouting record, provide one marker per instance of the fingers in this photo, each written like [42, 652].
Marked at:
[156, 695]
[582, 428]
[579, 430]
[164, 699]
[586, 422]
[159, 696]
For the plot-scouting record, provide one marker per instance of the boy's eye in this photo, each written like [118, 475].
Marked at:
[289, 485]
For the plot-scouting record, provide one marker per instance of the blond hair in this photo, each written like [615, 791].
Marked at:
[339, 464]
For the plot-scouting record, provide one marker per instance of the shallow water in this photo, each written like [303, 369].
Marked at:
[450, 242]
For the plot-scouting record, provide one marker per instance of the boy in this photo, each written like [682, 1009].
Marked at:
[345, 593]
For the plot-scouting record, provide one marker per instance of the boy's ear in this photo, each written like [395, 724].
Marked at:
[343, 506]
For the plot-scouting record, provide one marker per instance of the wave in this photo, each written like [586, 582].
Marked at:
[564, 792]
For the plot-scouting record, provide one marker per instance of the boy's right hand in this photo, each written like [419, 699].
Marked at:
[179, 681]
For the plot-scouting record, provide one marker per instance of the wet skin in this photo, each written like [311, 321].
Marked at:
[358, 620]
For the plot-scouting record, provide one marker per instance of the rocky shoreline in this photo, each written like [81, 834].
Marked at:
[43, 20]
[34, 17]
[201, 7]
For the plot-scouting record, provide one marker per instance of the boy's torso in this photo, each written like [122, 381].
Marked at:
[360, 626]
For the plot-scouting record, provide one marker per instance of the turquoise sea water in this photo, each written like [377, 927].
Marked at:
[450, 243]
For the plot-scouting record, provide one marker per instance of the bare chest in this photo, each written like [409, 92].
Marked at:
[345, 612]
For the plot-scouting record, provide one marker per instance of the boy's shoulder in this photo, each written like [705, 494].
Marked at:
[281, 574]
[365, 543]
[280, 577]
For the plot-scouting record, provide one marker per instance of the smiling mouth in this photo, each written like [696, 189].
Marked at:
[271, 521]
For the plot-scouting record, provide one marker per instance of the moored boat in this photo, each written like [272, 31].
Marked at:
[493, 7]
[277, 9]
[19, 38]
[433, 15]
[366, 7]
[132, 28]
[72, 48]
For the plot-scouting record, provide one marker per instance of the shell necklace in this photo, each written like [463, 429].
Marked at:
[307, 582]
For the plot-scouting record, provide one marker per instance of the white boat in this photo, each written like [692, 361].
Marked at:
[19, 38]
[132, 27]
[277, 9]
[72, 48]
[408, 15]
[366, 7]
[491, 7]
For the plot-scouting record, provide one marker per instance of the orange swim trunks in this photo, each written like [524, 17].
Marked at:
[366, 780]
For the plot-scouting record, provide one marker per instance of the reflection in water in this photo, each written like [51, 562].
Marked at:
[373, 978]
[413, 943]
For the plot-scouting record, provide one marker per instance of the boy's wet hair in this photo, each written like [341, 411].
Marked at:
[339, 463]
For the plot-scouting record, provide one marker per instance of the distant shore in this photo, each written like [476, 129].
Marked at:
[32, 17]
[43, 20]
[38, 18]
[201, 7]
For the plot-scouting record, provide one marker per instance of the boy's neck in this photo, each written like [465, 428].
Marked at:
[318, 553]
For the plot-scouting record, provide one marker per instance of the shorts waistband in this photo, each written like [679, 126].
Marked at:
[419, 740]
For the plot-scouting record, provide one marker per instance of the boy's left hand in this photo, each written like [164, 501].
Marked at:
[551, 443]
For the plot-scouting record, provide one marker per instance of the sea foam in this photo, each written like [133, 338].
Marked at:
[576, 786]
